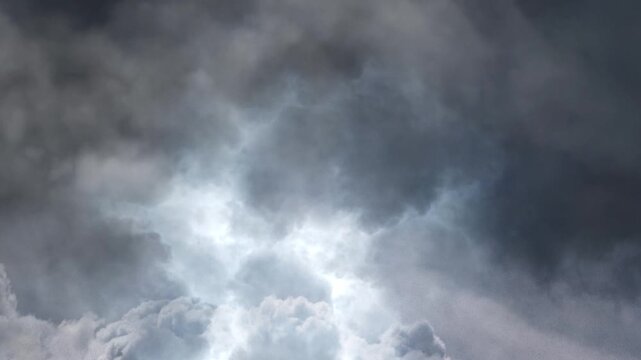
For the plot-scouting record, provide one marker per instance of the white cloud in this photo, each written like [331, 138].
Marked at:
[304, 294]
[292, 328]
[154, 330]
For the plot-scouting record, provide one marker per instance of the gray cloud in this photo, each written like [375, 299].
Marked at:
[264, 275]
[347, 150]
[82, 129]
[528, 120]
[70, 262]
[431, 266]
[291, 328]
[567, 187]
[153, 330]
[82, 15]
[419, 338]
[311, 109]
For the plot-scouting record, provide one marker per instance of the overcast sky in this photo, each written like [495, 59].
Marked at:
[319, 180]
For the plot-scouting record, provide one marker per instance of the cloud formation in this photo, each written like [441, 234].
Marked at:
[419, 339]
[153, 330]
[291, 328]
[332, 174]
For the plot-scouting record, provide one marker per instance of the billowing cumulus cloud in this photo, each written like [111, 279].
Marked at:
[339, 179]
[152, 330]
[291, 328]
[418, 339]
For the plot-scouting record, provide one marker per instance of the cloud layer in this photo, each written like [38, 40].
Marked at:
[339, 179]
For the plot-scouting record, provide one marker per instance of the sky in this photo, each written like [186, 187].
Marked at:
[320, 180]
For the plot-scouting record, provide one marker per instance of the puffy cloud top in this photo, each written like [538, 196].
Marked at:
[166, 330]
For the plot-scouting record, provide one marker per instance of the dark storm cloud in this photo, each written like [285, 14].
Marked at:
[81, 14]
[601, 35]
[507, 101]
[66, 261]
[535, 116]
[422, 256]
[548, 204]
[81, 128]
[569, 183]
[366, 107]
[371, 147]
[563, 204]
[96, 14]
[378, 136]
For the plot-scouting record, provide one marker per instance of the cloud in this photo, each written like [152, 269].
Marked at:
[297, 327]
[418, 338]
[290, 328]
[82, 130]
[483, 151]
[428, 265]
[8, 299]
[83, 15]
[156, 330]
[71, 262]
[264, 275]
[153, 330]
